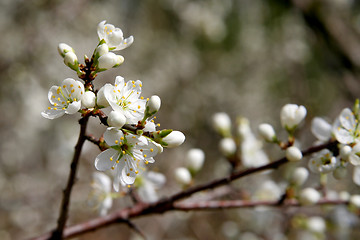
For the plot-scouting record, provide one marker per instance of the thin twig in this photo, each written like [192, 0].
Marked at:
[58, 232]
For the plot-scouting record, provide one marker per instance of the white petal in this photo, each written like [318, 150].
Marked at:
[119, 82]
[111, 135]
[128, 179]
[347, 119]
[356, 175]
[321, 129]
[101, 30]
[73, 107]
[343, 135]
[103, 162]
[52, 114]
[117, 178]
[125, 43]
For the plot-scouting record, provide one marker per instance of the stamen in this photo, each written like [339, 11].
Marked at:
[124, 153]
[111, 159]
[55, 108]
[116, 141]
[49, 108]
[151, 149]
[146, 162]
[136, 172]
[141, 98]
[158, 124]
[71, 85]
[128, 174]
[122, 138]
[145, 155]
[140, 85]
[117, 161]
[112, 168]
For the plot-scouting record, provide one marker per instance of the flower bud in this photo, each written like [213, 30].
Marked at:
[173, 139]
[355, 201]
[101, 100]
[195, 159]
[299, 176]
[267, 132]
[109, 60]
[293, 154]
[345, 152]
[227, 146]
[63, 48]
[101, 50]
[71, 60]
[153, 105]
[88, 99]
[291, 115]
[309, 196]
[222, 123]
[182, 176]
[116, 119]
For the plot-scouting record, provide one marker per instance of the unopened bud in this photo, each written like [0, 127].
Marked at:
[355, 201]
[222, 123]
[309, 196]
[116, 119]
[88, 99]
[101, 50]
[71, 60]
[63, 48]
[227, 146]
[174, 139]
[182, 176]
[267, 132]
[340, 172]
[109, 60]
[291, 115]
[101, 100]
[316, 224]
[195, 159]
[293, 154]
[299, 176]
[153, 105]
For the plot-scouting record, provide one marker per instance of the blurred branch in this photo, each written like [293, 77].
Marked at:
[58, 232]
[168, 204]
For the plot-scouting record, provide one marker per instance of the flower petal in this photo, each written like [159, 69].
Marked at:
[112, 135]
[73, 107]
[347, 119]
[52, 114]
[356, 175]
[321, 129]
[103, 162]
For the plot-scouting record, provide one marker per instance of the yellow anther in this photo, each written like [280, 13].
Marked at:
[131, 169]
[123, 152]
[71, 85]
[134, 111]
[123, 97]
[81, 92]
[154, 117]
[53, 96]
[49, 108]
[111, 159]
[134, 85]
[158, 124]
[128, 174]
[55, 104]
[133, 82]
[69, 94]
[75, 99]
[115, 85]
[124, 84]
[129, 186]
[152, 121]
[112, 168]
[63, 108]
[116, 141]
[67, 101]
[147, 99]
[129, 102]
[62, 102]
[133, 137]
[139, 107]
[145, 155]
[122, 138]
[114, 91]
[146, 162]
[141, 98]
[140, 85]
[118, 90]
[55, 108]
[141, 150]
[79, 87]
[136, 172]
[151, 149]
[125, 160]
[64, 86]
[117, 161]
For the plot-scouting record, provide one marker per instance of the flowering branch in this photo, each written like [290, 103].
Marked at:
[58, 232]
[167, 204]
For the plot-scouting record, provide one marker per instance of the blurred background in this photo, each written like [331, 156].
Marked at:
[244, 57]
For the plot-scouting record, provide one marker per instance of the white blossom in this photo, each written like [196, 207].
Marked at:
[354, 156]
[113, 36]
[148, 183]
[291, 115]
[100, 195]
[109, 60]
[293, 154]
[323, 162]
[125, 98]
[127, 155]
[65, 99]
[346, 127]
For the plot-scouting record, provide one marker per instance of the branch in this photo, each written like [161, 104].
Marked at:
[168, 204]
[58, 232]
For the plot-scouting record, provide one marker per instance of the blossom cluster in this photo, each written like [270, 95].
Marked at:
[131, 140]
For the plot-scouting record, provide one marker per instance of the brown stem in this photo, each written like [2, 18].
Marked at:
[58, 232]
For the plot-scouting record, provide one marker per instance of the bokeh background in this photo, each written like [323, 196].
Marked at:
[244, 57]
